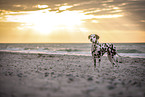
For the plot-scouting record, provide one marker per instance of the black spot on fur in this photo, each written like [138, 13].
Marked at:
[97, 37]
[99, 60]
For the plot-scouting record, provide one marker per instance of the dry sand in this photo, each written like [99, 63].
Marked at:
[37, 75]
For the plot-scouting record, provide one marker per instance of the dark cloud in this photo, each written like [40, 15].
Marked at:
[27, 4]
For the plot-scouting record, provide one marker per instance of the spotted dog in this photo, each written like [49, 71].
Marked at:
[98, 50]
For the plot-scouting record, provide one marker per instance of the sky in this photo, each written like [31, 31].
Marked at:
[71, 21]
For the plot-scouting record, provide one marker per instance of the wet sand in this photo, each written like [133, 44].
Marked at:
[40, 75]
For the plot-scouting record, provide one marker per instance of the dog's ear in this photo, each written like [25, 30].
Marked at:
[97, 37]
[89, 36]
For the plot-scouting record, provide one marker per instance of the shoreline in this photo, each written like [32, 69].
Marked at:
[50, 75]
[123, 55]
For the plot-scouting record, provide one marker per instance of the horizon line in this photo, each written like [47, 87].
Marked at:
[60, 42]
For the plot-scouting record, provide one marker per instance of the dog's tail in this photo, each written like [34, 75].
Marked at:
[117, 60]
[119, 55]
[122, 56]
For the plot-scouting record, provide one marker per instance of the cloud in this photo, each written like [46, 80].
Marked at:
[95, 16]
[133, 10]
[127, 5]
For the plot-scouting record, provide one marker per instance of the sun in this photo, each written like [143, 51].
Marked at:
[45, 22]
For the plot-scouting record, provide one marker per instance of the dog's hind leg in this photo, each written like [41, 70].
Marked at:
[99, 60]
[94, 62]
[115, 60]
[111, 60]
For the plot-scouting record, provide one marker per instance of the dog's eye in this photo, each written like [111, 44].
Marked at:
[94, 37]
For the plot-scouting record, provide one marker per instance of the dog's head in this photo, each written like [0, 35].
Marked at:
[93, 38]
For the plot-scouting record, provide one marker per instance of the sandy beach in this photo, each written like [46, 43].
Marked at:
[41, 75]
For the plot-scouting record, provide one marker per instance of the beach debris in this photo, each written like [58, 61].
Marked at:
[52, 73]
[59, 75]
[123, 83]
[120, 93]
[51, 56]
[110, 87]
[46, 74]
[90, 79]
[20, 75]
[129, 81]
[10, 73]
[97, 82]
[77, 75]
[71, 79]
[69, 75]
[50, 67]
[39, 55]
[90, 89]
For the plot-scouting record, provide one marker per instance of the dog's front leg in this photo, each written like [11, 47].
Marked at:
[94, 62]
[116, 61]
[111, 60]
[97, 61]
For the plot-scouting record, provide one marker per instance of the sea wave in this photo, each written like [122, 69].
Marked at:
[70, 52]
[126, 50]
[129, 51]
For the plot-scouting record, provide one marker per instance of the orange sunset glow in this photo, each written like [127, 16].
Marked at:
[71, 21]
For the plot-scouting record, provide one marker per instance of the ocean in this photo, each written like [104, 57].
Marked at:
[136, 50]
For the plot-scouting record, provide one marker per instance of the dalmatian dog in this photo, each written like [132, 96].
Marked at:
[98, 50]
